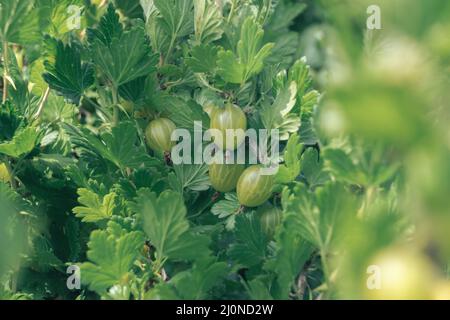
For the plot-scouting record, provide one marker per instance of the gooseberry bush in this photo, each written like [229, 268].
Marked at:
[93, 207]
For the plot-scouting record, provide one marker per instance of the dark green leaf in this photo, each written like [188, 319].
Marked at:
[66, 74]
[196, 282]
[121, 55]
[189, 176]
[291, 254]
[203, 59]
[177, 16]
[166, 225]
[290, 170]
[250, 248]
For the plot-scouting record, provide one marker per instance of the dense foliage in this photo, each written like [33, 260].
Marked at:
[92, 89]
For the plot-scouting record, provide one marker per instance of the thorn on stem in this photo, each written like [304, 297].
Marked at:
[215, 196]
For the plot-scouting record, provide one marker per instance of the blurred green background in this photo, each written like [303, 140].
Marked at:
[383, 125]
[387, 103]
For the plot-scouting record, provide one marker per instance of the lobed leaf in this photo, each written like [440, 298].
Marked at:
[94, 208]
[250, 248]
[165, 223]
[66, 74]
[112, 259]
[249, 57]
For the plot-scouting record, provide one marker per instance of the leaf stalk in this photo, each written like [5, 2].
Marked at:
[42, 103]
[11, 173]
[5, 71]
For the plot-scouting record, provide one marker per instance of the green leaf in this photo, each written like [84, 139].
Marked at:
[42, 255]
[120, 147]
[195, 283]
[313, 168]
[308, 133]
[365, 167]
[13, 238]
[112, 258]
[285, 48]
[277, 115]
[203, 59]
[284, 15]
[160, 39]
[250, 50]
[207, 21]
[108, 29]
[137, 90]
[10, 121]
[162, 291]
[121, 55]
[61, 16]
[74, 240]
[24, 142]
[321, 212]
[183, 113]
[308, 102]
[177, 17]
[56, 109]
[193, 177]
[258, 289]
[19, 21]
[306, 99]
[300, 74]
[117, 146]
[206, 97]
[290, 170]
[130, 8]
[291, 254]
[66, 74]
[82, 142]
[342, 166]
[94, 208]
[229, 68]
[227, 209]
[250, 55]
[148, 6]
[250, 247]
[36, 80]
[166, 225]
